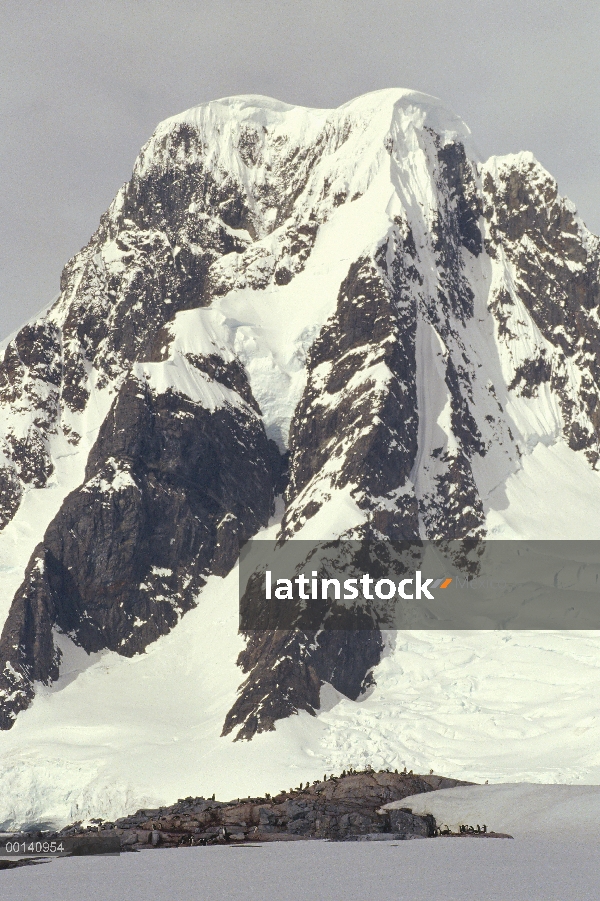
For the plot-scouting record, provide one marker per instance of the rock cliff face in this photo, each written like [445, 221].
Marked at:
[170, 491]
[343, 308]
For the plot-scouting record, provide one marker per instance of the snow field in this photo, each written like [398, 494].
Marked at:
[521, 810]
[529, 869]
[115, 734]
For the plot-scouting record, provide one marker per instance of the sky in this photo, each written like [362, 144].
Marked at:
[85, 84]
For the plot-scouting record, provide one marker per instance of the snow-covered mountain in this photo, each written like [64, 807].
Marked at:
[310, 322]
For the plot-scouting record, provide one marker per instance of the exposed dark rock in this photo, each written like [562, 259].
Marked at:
[558, 281]
[171, 491]
[405, 822]
[27, 647]
[369, 433]
[287, 669]
[531, 374]
[349, 427]
[31, 458]
[357, 425]
[345, 807]
[232, 375]
[11, 491]
[457, 173]
[165, 245]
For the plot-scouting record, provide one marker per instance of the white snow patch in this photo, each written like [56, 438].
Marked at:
[519, 810]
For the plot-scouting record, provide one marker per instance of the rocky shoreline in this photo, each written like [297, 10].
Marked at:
[343, 808]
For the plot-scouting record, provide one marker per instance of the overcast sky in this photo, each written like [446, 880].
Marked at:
[85, 83]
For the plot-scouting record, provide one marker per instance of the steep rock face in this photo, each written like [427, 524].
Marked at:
[357, 421]
[357, 424]
[406, 322]
[555, 264]
[363, 420]
[286, 670]
[171, 490]
[30, 380]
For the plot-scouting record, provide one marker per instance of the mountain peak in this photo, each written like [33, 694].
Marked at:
[338, 315]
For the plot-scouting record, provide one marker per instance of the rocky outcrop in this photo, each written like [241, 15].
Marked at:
[555, 264]
[356, 425]
[286, 670]
[171, 490]
[339, 808]
[357, 421]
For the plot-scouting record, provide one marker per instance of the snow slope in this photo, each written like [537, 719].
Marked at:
[521, 810]
[114, 734]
